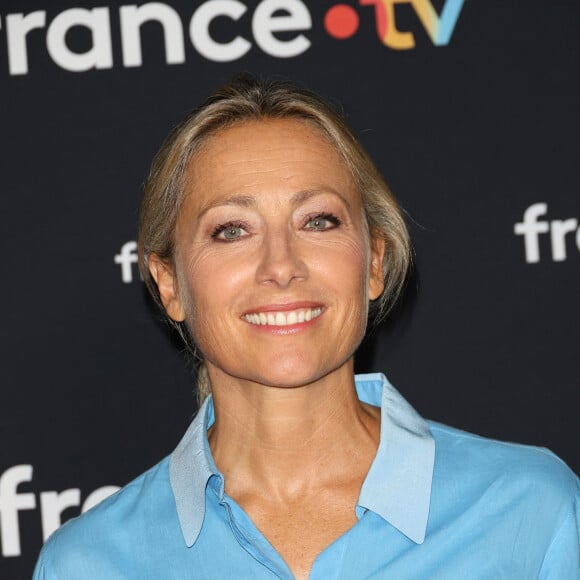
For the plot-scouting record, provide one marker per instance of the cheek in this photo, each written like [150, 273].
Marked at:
[344, 266]
[208, 286]
[348, 260]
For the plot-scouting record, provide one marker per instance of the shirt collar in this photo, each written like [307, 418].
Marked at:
[397, 487]
[191, 466]
[398, 484]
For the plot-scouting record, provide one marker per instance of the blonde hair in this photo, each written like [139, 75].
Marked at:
[247, 98]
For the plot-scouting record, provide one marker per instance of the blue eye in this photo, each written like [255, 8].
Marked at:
[322, 222]
[228, 232]
[232, 232]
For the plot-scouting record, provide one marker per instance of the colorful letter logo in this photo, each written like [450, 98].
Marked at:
[342, 21]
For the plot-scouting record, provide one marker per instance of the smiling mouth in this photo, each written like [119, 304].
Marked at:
[283, 318]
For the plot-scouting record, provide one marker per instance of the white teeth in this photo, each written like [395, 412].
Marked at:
[283, 318]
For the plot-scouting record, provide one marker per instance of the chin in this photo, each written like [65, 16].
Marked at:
[282, 368]
[293, 373]
[292, 381]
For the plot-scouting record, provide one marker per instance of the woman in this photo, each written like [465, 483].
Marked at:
[267, 236]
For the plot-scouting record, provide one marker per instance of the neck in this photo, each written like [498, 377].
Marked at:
[289, 440]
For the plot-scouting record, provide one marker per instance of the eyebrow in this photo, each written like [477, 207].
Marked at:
[250, 201]
[305, 195]
[237, 200]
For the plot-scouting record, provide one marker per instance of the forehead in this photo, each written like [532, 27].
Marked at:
[274, 155]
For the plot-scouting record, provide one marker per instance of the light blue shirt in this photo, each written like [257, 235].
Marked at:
[436, 503]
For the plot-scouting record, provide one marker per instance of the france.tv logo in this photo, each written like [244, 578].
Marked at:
[342, 21]
[278, 28]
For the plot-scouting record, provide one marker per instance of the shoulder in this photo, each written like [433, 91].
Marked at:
[510, 472]
[520, 502]
[144, 494]
[466, 451]
[455, 444]
[117, 521]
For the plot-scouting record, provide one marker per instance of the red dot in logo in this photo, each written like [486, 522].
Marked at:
[341, 21]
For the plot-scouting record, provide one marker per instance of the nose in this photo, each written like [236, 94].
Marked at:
[280, 260]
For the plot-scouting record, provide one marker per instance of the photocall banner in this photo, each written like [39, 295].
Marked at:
[469, 109]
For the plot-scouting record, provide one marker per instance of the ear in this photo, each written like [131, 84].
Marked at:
[164, 276]
[376, 275]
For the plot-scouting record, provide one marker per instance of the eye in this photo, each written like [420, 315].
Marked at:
[229, 232]
[322, 222]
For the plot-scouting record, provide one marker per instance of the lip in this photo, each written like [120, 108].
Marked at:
[283, 307]
[286, 329]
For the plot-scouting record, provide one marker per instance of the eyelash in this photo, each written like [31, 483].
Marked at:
[223, 227]
[324, 216]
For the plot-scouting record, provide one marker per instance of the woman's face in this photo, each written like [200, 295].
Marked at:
[274, 267]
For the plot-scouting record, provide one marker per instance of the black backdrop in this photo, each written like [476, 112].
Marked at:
[469, 134]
